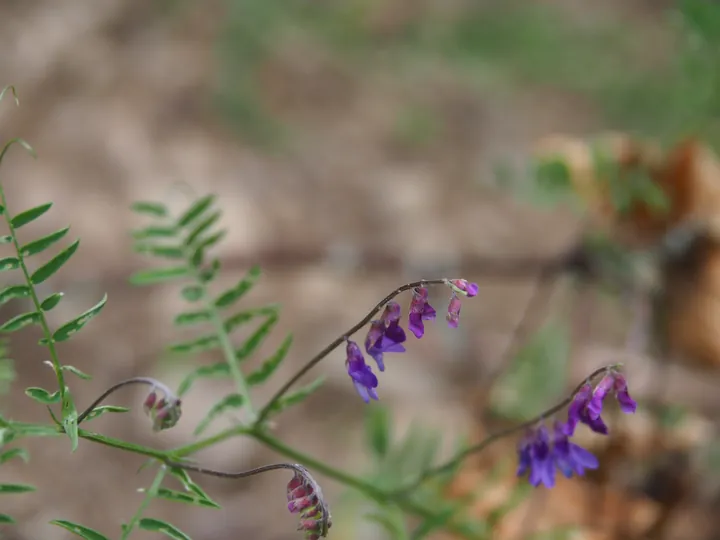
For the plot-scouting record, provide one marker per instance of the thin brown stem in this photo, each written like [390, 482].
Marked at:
[339, 341]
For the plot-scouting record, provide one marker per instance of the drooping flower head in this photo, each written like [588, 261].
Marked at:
[385, 335]
[420, 310]
[305, 497]
[164, 412]
[362, 376]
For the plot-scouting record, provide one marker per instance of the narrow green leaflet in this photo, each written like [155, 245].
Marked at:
[5, 519]
[23, 218]
[77, 372]
[232, 401]
[203, 226]
[68, 329]
[233, 295]
[269, 366]
[79, 530]
[211, 240]
[150, 208]
[298, 396]
[187, 498]
[255, 340]
[69, 417]
[54, 264]
[51, 301]
[16, 488]
[12, 292]
[154, 232]
[167, 252]
[193, 317]
[43, 396]
[158, 275]
[214, 371]
[34, 430]
[41, 244]
[205, 343]
[189, 484]
[20, 321]
[206, 275]
[196, 210]
[156, 525]
[6, 238]
[102, 409]
[243, 317]
[192, 293]
[9, 263]
[13, 453]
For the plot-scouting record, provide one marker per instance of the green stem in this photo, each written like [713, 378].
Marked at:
[33, 297]
[124, 445]
[149, 496]
[224, 435]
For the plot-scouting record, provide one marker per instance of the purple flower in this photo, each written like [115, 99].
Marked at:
[462, 285]
[627, 404]
[578, 412]
[385, 335]
[570, 457]
[363, 378]
[304, 499]
[453, 314]
[420, 311]
[613, 382]
[534, 454]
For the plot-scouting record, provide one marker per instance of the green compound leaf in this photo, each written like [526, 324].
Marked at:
[51, 301]
[77, 372]
[12, 292]
[19, 453]
[70, 416]
[269, 366]
[215, 371]
[187, 498]
[193, 317]
[52, 266]
[79, 530]
[298, 396]
[233, 295]
[232, 401]
[68, 329]
[9, 263]
[6, 520]
[21, 321]
[166, 252]
[150, 209]
[192, 293]
[156, 525]
[6, 239]
[154, 232]
[256, 339]
[205, 343]
[16, 488]
[102, 409]
[201, 227]
[23, 218]
[196, 210]
[159, 275]
[41, 244]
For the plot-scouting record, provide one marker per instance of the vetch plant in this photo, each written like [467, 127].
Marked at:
[184, 243]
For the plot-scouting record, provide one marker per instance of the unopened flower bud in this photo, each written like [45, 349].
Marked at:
[462, 286]
[453, 314]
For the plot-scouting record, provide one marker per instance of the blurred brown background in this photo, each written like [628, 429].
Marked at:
[352, 146]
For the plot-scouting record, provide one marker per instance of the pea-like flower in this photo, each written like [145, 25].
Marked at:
[453, 314]
[420, 310]
[464, 287]
[570, 457]
[587, 405]
[361, 374]
[385, 335]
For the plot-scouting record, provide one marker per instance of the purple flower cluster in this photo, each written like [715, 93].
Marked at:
[303, 499]
[387, 336]
[541, 453]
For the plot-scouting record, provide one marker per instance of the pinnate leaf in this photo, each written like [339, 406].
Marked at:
[13, 453]
[188, 498]
[156, 525]
[20, 321]
[23, 218]
[269, 366]
[9, 263]
[51, 301]
[159, 275]
[196, 210]
[12, 292]
[79, 530]
[298, 396]
[68, 329]
[214, 371]
[232, 401]
[204, 343]
[54, 264]
[41, 244]
[233, 295]
[16, 488]
[256, 339]
[150, 208]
